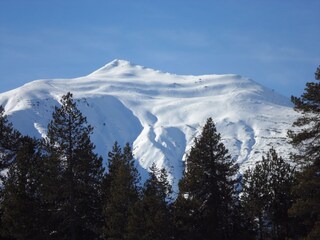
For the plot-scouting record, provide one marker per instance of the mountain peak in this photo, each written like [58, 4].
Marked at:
[160, 113]
[116, 67]
[119, 62]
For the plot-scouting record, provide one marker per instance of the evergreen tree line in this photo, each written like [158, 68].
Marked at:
[57, 187]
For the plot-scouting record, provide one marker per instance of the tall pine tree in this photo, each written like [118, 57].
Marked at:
[9, 144]
[9, 141]
[255, 197]
[305, 136]
[205, 204]
[150, 218]
[266, 196]
[22, 205]
[121, 192]
[79, 169]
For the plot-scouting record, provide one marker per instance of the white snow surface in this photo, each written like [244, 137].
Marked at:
[160, 113]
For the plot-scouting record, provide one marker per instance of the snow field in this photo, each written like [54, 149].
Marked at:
[160, 113]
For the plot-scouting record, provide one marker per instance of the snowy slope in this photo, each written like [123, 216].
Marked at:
[160, 113]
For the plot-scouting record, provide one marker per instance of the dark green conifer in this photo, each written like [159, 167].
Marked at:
[150, 218]
[21, 204]
[267, 196]
[121, 192]
[80, 172]
[51, 193]
[281, 183]
[9, 144]
[206, 201]
[305, 137]
[9, 141]
[256, 196]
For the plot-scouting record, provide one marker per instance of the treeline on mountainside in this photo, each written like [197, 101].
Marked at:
[58, 188]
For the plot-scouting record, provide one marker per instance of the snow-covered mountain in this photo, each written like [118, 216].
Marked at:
[160, 113]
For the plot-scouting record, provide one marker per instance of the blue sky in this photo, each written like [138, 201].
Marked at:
[275, 43]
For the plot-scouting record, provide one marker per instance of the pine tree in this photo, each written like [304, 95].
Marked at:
[78, 200]
[21, 205]
[51, 193]
[305, 137]
[281, 183]
[256, 196]
[267, 195]
[121, 192]
[151, 218]
[206, 200]
[9, 141]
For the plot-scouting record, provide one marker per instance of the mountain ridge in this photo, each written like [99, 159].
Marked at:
[160, 113]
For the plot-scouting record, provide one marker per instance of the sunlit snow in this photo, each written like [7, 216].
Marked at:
[160, 113]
